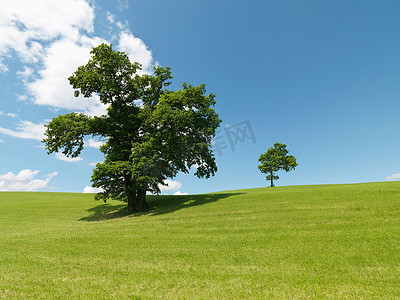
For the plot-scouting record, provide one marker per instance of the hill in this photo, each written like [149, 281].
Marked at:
[340, 241]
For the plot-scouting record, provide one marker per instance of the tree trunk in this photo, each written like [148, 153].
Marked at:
[137, 201]
[272, 180]
[141, 204]
[131, 201]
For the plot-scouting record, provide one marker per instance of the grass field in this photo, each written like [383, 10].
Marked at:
[331, 241]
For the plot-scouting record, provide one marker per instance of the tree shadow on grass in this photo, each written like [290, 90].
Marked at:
[105, 212]
[158, 205]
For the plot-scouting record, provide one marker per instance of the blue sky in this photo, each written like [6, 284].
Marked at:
[320, 76]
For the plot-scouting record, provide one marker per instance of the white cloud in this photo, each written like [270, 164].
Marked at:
[136, 50]
[22, 97]
[53, 39]
[171, 186]
[25, 74]
[111, 19]
[24, 22]
[52, 88]
[93, 143]
[8, 114]
[1, 141]
[89, 189]
[26, 130]
[62, 157]
[123, 4]
[395, 176]
[179, 193]
[24, 181]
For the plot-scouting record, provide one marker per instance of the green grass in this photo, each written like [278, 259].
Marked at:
[331, 241]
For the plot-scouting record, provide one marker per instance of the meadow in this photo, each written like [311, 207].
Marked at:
[298, 242]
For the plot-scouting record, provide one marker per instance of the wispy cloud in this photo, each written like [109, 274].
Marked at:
[122, 5]
[25, 74]
[26, 130]
[24, 181]
[112, 21]
[8, 114]
[395, 176]
[62, 157]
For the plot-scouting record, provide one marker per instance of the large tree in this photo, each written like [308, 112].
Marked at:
[151, 133]
[276, 159]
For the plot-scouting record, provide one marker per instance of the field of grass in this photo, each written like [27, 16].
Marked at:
[331, 241]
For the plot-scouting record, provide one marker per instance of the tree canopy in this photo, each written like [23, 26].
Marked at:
[151, 133]
[276, 159]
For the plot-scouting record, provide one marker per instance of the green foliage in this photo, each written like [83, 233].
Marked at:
[67, 132]
[276, 159]
[296, 242]
[145, 144]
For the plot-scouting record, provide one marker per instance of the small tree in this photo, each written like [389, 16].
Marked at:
[276, 159]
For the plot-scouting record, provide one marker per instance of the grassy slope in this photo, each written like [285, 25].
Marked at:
[340, 241]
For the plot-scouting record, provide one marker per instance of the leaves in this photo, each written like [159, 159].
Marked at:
[276, 159]
[108, 74]
[66, 132]
[145, 144]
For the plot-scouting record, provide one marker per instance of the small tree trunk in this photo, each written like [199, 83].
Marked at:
[141, 204]
[272, 180]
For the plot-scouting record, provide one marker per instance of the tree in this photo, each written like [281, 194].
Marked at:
[276, 159]
[150, 132]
